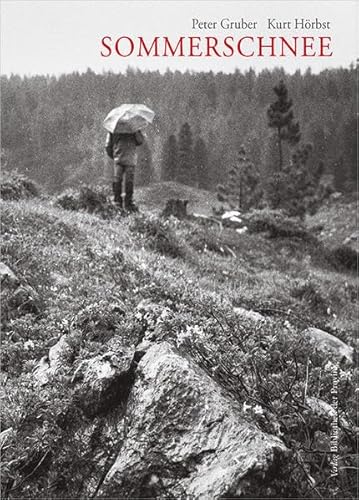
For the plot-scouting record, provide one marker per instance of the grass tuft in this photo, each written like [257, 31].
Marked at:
[16, 186]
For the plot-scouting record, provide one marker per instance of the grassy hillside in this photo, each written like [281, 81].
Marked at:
[88, 277]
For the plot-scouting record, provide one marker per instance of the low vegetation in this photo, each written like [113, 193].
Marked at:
[16, 186]
[88, 273]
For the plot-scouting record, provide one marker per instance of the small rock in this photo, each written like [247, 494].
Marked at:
[330, 344]
[59, 279]
[335, 195]
[42, 371]
[230, 214]
[236, 219]
[7, 277]
[320, 407]
[246, 314]
[353, 237]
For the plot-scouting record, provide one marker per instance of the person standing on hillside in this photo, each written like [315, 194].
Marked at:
[122, 149]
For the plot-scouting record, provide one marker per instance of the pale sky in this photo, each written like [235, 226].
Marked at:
[54, 37]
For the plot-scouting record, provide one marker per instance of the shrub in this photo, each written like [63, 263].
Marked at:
[93, 200]
[158, 234]
[270, 371]
[277, 224]
[310, 293]
[343, 257]
[68, 200]
[16, 186]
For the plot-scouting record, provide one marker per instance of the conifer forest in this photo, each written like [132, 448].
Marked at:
[53, 133]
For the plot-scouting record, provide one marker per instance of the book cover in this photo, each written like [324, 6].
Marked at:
[179, 249]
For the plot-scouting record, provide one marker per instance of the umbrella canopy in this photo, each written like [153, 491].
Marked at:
[128, 118]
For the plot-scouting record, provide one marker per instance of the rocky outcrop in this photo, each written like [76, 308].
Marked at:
[184, 437]
[329, 344]
[105, 380]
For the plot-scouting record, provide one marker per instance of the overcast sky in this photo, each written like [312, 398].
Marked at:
[49, 36]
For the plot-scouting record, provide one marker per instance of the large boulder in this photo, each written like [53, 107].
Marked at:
[329, 344]
[185, 438]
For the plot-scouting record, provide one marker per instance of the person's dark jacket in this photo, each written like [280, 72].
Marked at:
[122, 148]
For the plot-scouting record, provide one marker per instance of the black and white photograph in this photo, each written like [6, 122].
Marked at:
[179, 249]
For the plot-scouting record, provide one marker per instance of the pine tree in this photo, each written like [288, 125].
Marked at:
[281, 118]
[302, 191]
[169, 165]
[200, 158]
[240, 192]
[185, 173]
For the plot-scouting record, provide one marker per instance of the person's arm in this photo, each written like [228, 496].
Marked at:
[139, 138]
[109, 145]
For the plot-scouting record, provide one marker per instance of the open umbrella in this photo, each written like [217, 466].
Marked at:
[128, 118]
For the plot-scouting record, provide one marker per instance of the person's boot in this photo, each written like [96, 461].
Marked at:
[129, 204]
[116, 186]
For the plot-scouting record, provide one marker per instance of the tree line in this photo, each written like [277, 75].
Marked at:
[52, 126]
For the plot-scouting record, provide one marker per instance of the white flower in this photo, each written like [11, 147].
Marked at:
[329, 366]
[153, 480]
[29, 345]
[183, 336]
[343, 375]
[258, 410]
[196, 330]
[246, 407]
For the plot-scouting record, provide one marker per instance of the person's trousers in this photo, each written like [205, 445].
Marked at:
[123, 181]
